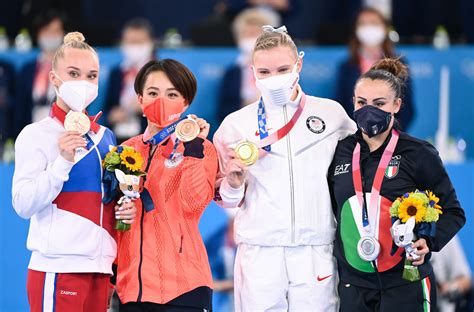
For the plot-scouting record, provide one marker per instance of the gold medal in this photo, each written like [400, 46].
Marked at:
[76, 121]
[187, 130]
[247, 152]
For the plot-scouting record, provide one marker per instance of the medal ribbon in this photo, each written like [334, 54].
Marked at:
[267, 140]
[165, 133]
[60, 115]
[378, 179]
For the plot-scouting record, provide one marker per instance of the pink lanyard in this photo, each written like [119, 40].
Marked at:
[283, 131]
[375, 192]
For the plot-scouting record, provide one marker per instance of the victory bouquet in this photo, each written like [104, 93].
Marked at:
[122, 171]
[413, 215]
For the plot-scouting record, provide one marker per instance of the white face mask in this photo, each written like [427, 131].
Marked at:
[278, 89]
[371, 35]
[50, 43]
[77, 94]
[137, 53]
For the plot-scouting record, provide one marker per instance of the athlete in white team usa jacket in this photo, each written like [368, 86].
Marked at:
[284, 227]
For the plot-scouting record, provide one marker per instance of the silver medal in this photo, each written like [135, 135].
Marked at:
[368, 248]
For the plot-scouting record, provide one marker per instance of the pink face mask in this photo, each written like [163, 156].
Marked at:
[163, 112]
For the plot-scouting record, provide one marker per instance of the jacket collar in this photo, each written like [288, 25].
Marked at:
[364, 147]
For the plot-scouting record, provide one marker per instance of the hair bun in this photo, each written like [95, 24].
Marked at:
[393, 66]
[74, 37]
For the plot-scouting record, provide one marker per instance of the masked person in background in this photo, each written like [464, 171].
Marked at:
[238, 84]
[274, 155]
[57, 184]
[454, 278]
[369, 43]
[37, 91]
[121, 107]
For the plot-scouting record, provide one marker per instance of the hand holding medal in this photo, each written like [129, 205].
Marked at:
[69, 142]
[235, 171]
[77, 124]
[77, 121]
[190, 128]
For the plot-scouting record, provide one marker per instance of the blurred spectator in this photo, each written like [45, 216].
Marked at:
[215, 30]
[453, 275]
[7, 97]
[238, 84]
[281, 7]
[122, 108]
[369, 43]
[37, 92]
[383, 6]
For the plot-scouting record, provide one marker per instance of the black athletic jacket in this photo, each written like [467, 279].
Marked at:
[415, 165]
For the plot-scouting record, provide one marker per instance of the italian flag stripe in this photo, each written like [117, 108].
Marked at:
[426, 284]
[386, 261]
[350, 235]
[351, 230]
[391, 171]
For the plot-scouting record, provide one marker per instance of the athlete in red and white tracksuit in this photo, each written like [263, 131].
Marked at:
[57, 184]
[71, 231]
[285, 226]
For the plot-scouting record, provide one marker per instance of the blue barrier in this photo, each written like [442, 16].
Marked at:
[319, 78]
[14, 255]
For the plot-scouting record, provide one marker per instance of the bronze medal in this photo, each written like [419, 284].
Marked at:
[187, 130]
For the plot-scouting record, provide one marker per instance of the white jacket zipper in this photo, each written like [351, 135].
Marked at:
[292, 186]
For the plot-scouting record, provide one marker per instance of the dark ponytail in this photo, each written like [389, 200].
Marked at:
[391, 70]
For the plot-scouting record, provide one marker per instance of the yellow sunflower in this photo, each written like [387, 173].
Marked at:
[411, 207]
[132, 160]
[433, 201]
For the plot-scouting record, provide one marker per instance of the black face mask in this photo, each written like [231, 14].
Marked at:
[372, 120]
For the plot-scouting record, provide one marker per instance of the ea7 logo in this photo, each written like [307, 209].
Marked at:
[340, 169]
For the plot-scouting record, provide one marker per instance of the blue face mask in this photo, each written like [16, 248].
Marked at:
[372, 120]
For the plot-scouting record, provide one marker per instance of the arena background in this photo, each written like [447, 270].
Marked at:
[318, 78]
[101, 22]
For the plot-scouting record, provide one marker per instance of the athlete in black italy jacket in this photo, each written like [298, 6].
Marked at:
[415, 165]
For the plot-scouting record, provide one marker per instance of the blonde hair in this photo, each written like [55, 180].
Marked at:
[74, 40]
[272, 38]
[254, 17]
